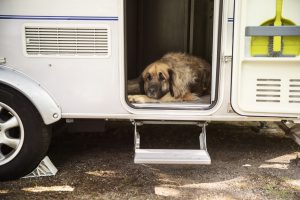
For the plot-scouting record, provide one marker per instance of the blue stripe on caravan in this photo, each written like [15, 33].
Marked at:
[33, 17]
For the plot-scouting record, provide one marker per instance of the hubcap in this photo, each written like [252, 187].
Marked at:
[11, 134]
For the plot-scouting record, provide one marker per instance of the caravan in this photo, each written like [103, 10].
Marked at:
[68, 60]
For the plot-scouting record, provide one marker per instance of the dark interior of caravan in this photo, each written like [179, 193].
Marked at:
[156, 27]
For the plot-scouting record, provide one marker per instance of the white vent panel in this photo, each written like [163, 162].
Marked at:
[294, 91]
[268, 90]
[67, 41]
[271, 87]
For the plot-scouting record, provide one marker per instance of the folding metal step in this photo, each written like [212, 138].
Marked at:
[171, 156]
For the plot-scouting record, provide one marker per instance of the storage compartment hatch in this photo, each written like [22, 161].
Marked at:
[266, 81]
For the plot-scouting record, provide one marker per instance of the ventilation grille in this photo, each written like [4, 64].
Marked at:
[67, 41]
[268, 90]
[294, 91]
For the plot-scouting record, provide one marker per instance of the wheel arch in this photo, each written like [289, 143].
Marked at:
[38, 96]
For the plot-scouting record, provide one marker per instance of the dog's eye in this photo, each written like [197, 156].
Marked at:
[161, 76]
[148, 77]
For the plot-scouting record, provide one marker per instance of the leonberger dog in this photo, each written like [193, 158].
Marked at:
[176, 77]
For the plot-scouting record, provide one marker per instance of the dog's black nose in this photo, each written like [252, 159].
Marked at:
[152, 92]
[152, 89]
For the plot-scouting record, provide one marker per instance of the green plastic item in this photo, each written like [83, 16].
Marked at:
[278, 22]
[276, 46]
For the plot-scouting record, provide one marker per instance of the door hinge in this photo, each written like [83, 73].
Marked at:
[2, 61]
[227, 59]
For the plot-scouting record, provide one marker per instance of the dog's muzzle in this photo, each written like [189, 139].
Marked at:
[154, 92]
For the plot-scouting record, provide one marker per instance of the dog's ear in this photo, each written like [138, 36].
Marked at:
[171, 82]
[141, 84]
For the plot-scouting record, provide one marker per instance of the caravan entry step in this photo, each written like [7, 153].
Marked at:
[171, 156]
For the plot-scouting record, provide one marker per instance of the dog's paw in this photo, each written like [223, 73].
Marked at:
[191, 97]
[139, 99]
[195, 97]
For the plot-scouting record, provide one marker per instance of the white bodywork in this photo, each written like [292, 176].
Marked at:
[47, 107]
[93, 86]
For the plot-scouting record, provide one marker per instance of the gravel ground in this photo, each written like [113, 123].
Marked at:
[245, 165]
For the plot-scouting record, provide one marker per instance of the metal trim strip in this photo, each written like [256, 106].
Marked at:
[33, 17]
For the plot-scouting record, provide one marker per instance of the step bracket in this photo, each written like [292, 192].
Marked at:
[171, 156]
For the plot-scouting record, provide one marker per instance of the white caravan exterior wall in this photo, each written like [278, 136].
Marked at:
[92, 87]
[79, 85]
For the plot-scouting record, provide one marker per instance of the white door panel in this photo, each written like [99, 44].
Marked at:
[263, 86]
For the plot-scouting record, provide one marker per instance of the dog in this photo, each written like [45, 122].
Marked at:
[176, 77]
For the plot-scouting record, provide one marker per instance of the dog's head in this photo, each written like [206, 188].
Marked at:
[156, 80]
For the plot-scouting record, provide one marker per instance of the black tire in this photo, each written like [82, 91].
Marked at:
[36, 136]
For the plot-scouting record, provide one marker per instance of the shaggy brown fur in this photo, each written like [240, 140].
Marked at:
[175, 77]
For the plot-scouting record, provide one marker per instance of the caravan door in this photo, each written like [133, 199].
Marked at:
[265, 72]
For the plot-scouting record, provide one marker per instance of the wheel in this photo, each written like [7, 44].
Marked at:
[24, 138]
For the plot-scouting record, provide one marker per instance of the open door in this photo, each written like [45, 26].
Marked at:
[155, 28]
[266, 58]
